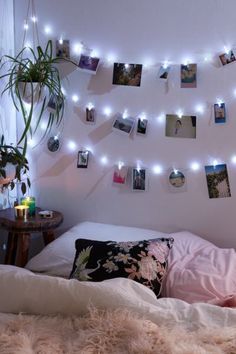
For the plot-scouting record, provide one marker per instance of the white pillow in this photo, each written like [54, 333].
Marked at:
[57, 258]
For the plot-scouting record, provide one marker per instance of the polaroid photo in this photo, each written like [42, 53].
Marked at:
[217, 181]
[188, 74]
[219, 113]
[227, 58]
[139, 179]
[54, 104]
[176, 181]
[63, 49]
[82, 161]
[90, 115]
[142, 126]
[184, 127]
[53, 144]
[88, 64]
[120, 174]
[127, 74]
[123, 125]
[163, 72]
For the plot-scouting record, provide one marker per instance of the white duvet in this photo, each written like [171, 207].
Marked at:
[23, 291]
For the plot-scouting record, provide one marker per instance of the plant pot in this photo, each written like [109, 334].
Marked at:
[10, 174]
[26, 89]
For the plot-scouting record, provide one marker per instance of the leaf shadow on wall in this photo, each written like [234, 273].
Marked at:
[65, 69]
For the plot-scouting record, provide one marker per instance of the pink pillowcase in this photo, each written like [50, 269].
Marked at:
[199, 271]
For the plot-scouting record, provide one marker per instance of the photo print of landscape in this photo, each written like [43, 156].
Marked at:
[217, 181]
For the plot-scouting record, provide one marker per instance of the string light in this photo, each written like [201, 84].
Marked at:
[107, 111]
[175, 171]
[90, 106]
[78, 48]
[179, 113]
[34, 19]
[157, 169]
[75, 98]
[47, 29]
[233, 159]
[60, 41]
[199, 109]
[104, 160]
[214, 163]
[195, 166]
[120, 165]
[72, 145]
[143, 116]
[26, 26]
[94, 53]
[165, 64]
[126, 66]
[125, 114]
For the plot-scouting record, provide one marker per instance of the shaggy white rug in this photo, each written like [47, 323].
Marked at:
[109, 332]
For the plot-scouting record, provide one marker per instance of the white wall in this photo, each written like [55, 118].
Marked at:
[135, 31]
[7, 112]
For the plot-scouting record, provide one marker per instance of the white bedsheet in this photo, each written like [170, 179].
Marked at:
[24, 291]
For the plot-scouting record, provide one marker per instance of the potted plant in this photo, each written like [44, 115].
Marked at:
[13, 166]
[28, 74]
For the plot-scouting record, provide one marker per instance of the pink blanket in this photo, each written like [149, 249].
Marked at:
[227, 301]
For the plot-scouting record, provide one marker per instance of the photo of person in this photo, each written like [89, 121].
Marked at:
[219, 112]
[138, 179]
[127, 74]
[188, 74]
[217, 181]
[123, 125]
[82, 161]
[227, 58]
[184, 127]
[142, 126]
[88, 64]
[63, 49]
[120, 174]
[90, 115]
[177, 179]
[163, 72]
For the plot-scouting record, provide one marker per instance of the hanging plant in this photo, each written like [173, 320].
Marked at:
[33, 77]
[13, 161]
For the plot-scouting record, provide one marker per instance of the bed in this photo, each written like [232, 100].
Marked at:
[42, 311]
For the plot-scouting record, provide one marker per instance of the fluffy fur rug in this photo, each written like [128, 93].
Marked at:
[109, 332]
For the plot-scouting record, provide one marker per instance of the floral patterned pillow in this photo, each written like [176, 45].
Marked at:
[142, 261]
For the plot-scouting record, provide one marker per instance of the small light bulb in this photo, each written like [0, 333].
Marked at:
[94, 53]
[126, 66]
[143, 116]
[180, 113]
[90, 106]
[226, 49]
[104, 160]
[233, 159]
[31, 142]
[207, 58]
[175, 171]
[78, 48]
[125, 114]
[34, 19]
[165, 64]
[195, 166]
[72, 145]
[107, 111]
[75, 98]
[63, 91]
[157, 169]
[28, 45]
[200, 109]
[186, 62]
[89, 149]
[60, 41]
[111, 58]
[120, 165]
[47, 29]
[161, 118]
[214, 163]
[147, 63]
[43, 125]
[219, 102]
[26, 26]
[55, 137]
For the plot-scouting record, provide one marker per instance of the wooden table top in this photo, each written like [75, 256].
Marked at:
[33, 223]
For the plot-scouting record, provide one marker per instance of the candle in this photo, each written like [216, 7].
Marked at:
[21, 212]
[30, 202]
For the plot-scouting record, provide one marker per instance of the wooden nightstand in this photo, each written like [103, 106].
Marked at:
[19, 232]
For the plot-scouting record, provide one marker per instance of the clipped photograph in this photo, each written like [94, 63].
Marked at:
[188, 74]
[82, 161]
[127, 74]
[142, 126]
[184, 127]
[176, 181]
[53, 144]
[217, 181]
[63, 49]
[139, 179]
[163, 72]
[88, 64]
[227, 58]
[219, 113]
[54, 104]
[123, 125]
[90, 115]
[120, 174]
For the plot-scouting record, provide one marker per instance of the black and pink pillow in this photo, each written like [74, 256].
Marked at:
[143, 261]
